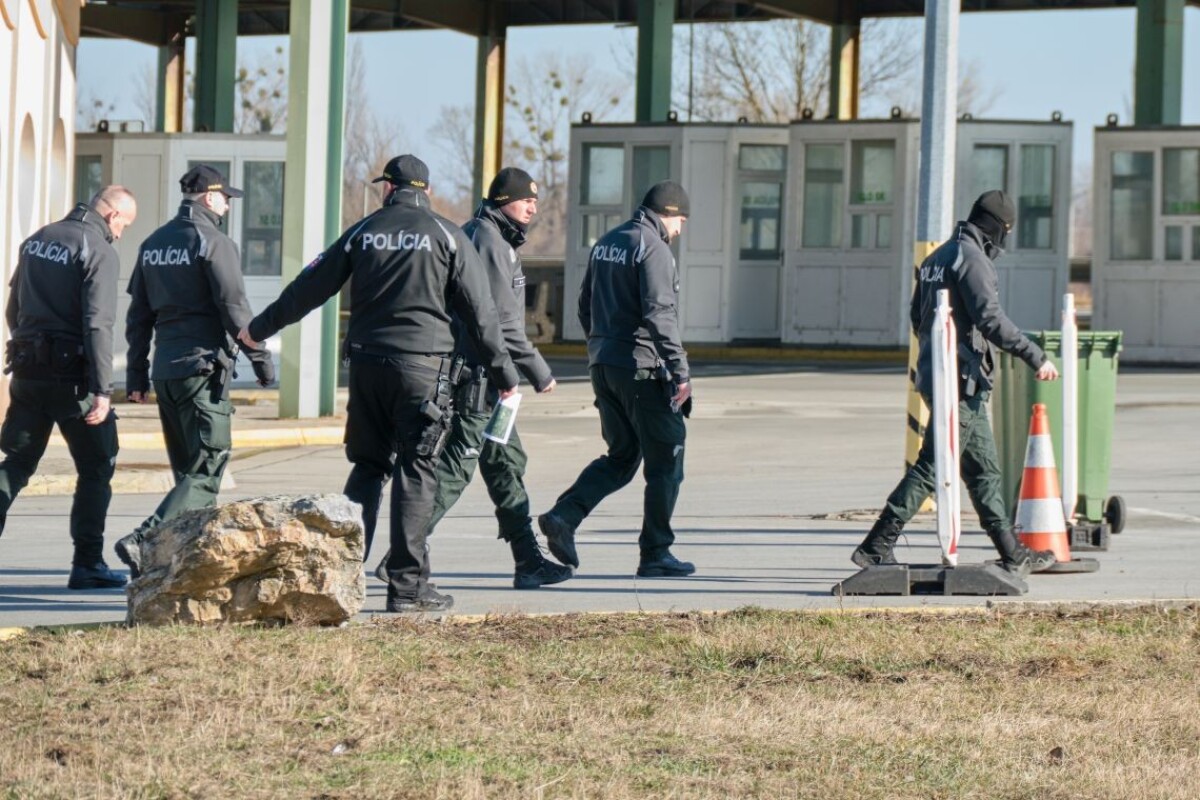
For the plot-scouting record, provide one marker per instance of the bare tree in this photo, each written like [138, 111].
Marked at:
[454, 135]
[262, 94]
[90, 109]
[368, 141]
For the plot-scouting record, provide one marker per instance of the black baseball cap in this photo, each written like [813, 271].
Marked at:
[405, 170]
[512, 184]
[667, 199]
[203, 178]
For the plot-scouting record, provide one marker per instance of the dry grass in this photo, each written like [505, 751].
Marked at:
[750, 704]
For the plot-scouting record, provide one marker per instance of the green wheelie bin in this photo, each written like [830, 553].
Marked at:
[1097, 512]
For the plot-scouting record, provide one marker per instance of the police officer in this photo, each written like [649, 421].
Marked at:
[411, 268]
[628, 306]
[61, 308]
[964, 266]
[498, 230]
[188, 295]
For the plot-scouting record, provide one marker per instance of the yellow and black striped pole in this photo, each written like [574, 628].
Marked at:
[918, 414]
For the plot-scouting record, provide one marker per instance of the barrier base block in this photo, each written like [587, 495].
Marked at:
[1087, 536]
[1074, 565]
[908, 579]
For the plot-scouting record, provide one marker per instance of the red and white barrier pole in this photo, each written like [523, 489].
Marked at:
[948, 492]
[1070, 385]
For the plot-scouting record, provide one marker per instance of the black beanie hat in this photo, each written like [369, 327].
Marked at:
[668, 199]
[994, 214]
[512, 184]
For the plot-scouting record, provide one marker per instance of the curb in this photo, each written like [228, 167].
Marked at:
[260, 438]
[130, 481]
[887, 355]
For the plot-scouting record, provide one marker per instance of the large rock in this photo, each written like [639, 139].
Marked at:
[296, 559]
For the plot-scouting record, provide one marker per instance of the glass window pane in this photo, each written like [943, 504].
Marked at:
[1173, 243]
[872, 170]
[762, 206]
[650, 165]
[1035, 206]
[989, 169]
[1181, 181]
[262, 219]
[88, 177]
[858, 231]
[1196, 243]
[883, 231]
[603, 174]
[762, 158]
[824, 167]
[1132, 207]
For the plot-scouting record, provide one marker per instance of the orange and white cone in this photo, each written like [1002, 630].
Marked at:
[1040, 522]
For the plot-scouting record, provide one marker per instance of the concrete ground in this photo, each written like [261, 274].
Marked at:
[782, 462]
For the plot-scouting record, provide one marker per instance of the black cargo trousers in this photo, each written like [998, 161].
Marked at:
[383, 427]
[35, 407]
[637, 423]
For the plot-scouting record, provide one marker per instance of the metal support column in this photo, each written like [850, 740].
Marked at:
[489, 104]
[333, 196]
[844, 50]
[656, 20]
[1158, 81]
[171, 86]
[309, 66]
[216, 64]
[935, 185]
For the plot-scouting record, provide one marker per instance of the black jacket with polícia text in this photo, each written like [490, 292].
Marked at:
[188, 295]
[497, 240]
[411, 269]
[962, 266]
[65, 288]
[629, 300]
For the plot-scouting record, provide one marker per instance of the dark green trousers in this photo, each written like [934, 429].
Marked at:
[638, 424]
[978, 465]
[35, 408]
[503, 469]
[195, 414]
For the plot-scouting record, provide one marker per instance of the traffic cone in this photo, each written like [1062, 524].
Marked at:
[1040, 523]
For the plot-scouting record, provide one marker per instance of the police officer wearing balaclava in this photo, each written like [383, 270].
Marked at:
[963, 265]
[629, 310]
[62, 304]
[412, 270]
[497, 231]
[187, 294]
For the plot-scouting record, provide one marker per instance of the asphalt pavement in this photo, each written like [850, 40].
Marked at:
[785, 467]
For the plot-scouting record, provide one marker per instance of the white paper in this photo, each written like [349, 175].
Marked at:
[504, 419]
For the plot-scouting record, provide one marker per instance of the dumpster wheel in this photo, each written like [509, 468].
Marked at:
[1114, 513]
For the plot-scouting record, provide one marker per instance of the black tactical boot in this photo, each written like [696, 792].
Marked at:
[129, 550]
[381, 568]
[532, 569]
[96, 576]
[428, 599]
[560, 538]
[1016, 557]
[876, 549]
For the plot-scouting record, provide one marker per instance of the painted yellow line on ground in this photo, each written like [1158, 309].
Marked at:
[725, 353]
[261, 437]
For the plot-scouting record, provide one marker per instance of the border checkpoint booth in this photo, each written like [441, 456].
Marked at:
[1146, 240]
[804, 234]
[151, 164]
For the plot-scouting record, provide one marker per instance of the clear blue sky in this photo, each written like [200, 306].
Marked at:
[1079, 62]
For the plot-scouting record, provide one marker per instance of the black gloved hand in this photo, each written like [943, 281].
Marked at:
[264, 371]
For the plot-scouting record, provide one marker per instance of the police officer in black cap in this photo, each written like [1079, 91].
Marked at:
[964, 266]
[498, 230]
[188, 295]
[61, 307]
[412, 269]
[628, 306]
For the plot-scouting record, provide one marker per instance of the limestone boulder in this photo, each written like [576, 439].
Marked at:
[282, 558]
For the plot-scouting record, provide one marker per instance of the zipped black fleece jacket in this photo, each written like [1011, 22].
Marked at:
[65, 287]
[629, 300]
[411, 269]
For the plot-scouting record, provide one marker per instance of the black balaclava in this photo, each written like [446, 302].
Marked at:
[993, 214]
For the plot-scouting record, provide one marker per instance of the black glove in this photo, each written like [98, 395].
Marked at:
[264, 370]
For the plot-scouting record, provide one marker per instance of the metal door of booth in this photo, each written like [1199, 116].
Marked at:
[847, 266]
[759, 161]
[611, 168]
[1031, 162]
[1146, 241]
